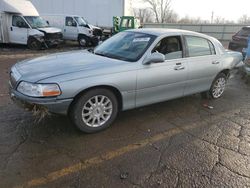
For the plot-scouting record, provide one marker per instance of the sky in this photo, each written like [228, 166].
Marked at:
[228, 9]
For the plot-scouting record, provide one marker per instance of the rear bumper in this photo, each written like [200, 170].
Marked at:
[52, 105]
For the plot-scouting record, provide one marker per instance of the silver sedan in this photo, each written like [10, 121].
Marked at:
[132, 69]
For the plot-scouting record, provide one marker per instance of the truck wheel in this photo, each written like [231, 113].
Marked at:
[34, 44]
[95, 110]
[83, 41]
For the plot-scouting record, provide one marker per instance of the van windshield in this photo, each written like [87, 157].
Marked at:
[36, 22]
[80, 21]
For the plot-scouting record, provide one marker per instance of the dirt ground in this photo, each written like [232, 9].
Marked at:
[179, 143]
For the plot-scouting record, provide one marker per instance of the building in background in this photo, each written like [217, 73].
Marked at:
[97, 12]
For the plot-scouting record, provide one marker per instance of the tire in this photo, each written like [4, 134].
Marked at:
[83, 41]
[34, 44]
[217, 88]
[90, 116]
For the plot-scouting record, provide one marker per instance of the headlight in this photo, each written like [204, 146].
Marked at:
[39, 38]
[39, 90]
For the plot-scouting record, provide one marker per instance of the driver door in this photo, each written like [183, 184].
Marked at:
[158, 82]
[70, 29]
[18, 31]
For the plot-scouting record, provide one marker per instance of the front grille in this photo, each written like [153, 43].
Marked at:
[14, 77]
[54, 36]
[13, 81]
[97, 32]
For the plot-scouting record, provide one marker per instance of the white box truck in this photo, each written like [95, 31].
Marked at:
[20, 23]
[75, 28]
[97, 12]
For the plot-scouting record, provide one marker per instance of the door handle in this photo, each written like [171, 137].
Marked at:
[11, 28]
[179, 67]
[215, 62]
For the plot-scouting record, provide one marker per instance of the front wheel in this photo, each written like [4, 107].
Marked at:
[95, 110]
[34, 44]
[83, 41]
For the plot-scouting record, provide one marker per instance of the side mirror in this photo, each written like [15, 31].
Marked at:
[47, 22]
[155, 57]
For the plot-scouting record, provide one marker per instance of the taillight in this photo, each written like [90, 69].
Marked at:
[235, 38]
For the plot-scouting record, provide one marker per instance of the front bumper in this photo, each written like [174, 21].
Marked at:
[52, 105]
[54, 42]
[95, 40]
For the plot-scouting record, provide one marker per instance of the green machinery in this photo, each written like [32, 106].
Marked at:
[124, 23]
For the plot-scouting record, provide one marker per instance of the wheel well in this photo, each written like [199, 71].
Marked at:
[116, 92]
[226, 72]
[82, 35]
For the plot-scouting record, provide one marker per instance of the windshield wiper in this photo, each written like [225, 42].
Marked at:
[101, 54]
[111, 56]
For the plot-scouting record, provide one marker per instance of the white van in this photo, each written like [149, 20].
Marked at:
[75, 28]
[20, 23]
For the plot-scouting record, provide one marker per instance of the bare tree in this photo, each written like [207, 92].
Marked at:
[244, 19]
[219, 20]
[190, 20]
[172, 17]
[161, 9]
[145, 15]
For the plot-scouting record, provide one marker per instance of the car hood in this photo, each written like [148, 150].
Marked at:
[94, 27]
[41, 68]
[50, 30]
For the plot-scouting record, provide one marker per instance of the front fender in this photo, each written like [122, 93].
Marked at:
[124, 82]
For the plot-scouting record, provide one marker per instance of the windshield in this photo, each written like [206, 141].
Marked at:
[36, 21]
[80, 21]
[245, 32]
[127, 46]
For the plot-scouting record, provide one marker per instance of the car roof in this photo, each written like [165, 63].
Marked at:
[163, 31]
[246, 27]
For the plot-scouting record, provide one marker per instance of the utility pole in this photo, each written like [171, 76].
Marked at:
[212, 17]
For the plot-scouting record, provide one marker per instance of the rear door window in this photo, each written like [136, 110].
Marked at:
[198, 46]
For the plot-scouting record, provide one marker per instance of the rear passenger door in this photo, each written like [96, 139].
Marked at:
[203, 64]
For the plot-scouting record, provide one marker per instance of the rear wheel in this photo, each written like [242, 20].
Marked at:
[95, 110]
[217, 88]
